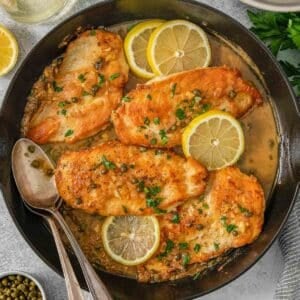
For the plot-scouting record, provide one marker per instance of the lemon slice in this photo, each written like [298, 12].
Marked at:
[177, 46]
[130, 240]
[215, 139]
[8, 50]
[135, 46]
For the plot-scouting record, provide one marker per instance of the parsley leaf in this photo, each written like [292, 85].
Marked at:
[109, 165]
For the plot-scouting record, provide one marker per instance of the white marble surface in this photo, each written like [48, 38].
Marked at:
[258, 283]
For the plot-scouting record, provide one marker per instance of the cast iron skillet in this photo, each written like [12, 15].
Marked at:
[285, 111]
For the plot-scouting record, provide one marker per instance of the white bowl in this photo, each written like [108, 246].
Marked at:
[275, 5]
[24, 274]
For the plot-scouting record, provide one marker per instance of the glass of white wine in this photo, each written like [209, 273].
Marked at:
[33, 11]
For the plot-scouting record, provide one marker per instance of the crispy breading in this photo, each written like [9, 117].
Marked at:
[230, 215]
[156, 113]
[114, 179]
[76, 96]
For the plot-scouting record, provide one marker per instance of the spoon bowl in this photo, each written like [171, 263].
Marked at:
[33, 172]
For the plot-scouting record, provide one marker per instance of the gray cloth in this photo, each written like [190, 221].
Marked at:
[288, 287]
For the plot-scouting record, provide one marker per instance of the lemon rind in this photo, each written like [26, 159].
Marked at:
[136, 30]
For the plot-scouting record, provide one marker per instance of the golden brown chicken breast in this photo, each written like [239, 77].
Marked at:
[77, 93]
[114, 179]
[230, 215]
[155, 114]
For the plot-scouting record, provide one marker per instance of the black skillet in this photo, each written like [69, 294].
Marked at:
[284, 107]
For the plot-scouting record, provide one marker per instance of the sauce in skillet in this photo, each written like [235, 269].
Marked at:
[260, 157]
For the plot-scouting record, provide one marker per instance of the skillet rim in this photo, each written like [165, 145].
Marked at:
[259, 44]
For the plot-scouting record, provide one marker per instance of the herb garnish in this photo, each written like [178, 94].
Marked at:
[196, 276]
[229, 227]
[125, 209]
[163, 136]
[169, 247]
[217, 246]
[85, 93]
[149, 97]
[206, 107]
[56, 88]
[109, 165]
[156, 120]
[183, 246]
[246, 212]
[101, 80]
[126, 99]
[69, 132]
[180, 114]
[93, 32]
[197, 248]
[114, 76]
[175, 218]
[153, 141]
[185, 258]
[81, 78]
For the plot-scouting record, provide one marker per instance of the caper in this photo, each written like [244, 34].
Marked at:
[35, 164]
[11, 277]
[31, 148]
[19, 277]
[4, 282]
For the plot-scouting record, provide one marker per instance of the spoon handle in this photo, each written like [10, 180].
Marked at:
[72, 285]
[95, 285]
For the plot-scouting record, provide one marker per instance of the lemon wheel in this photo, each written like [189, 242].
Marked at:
[130, 240]
[135, 46]
[215, 139]
[177, 46]
[8, 50]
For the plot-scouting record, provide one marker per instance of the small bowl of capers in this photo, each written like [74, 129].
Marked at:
[21, 286]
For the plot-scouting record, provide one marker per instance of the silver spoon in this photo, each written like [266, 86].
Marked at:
[72, 285]
[32, 171]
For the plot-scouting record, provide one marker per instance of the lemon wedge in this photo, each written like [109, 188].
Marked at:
[177, 46]
[215, 139]
[135, 47]
[130, 240]
[8, 50]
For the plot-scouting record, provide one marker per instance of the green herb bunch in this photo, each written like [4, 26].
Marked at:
[280, 31]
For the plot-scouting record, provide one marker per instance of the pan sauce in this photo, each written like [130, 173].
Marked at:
[260, 158]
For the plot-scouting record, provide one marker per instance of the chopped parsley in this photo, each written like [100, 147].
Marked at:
[149, 97]
[173, 89]
[206, 107]
[93, 32]
[183, 246]
[159, 210]
[69, 132]
[98, 64]
[163, 137]
[81, 78]
[156, 120]
[205, 205]
[152, 191]
[246, 212]
[126, 99]
[216, 246]
[185, 258]
[175, 218]
[153, 141]
[146, 121]
[63, 112]
[169, 247]
[197, 248]
[180, 114]
[56, 88]
[63, 103]
[229, 227]
[109, 165]
[114, 76]
[152, 202]
[101, 80]
[201, 198]
[85, 93]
